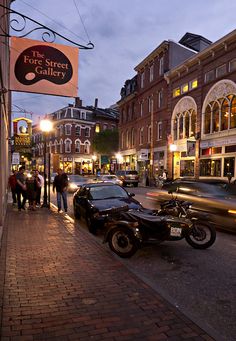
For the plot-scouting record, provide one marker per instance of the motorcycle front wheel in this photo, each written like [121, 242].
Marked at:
[202, 235]
[122, 242]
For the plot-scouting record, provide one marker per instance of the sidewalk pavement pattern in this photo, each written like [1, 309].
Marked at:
[58, 283]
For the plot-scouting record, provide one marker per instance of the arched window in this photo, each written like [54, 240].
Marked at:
[77, 146]
[193, 124]
[77, 130]
[233, 113]
[215, 117]
[86, 147]
[141, 136]
[225, 115]
[181, 126]
[175, 128]
[68, 143]
[207, 120]
[187, 123]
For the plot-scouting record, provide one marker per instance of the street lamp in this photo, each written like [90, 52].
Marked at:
[173, 149]
[46, 127]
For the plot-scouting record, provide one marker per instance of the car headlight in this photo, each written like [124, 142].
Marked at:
[232, 211]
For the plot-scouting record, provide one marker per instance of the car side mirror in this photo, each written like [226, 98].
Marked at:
[131, 194]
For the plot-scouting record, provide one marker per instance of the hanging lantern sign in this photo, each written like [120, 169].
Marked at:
[43, 68]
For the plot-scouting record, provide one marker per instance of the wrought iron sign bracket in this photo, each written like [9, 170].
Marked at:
[19, 23]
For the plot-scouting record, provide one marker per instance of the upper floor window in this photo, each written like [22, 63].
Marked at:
[232, 65]
[61, 130]
[142, 79]
[176, 92]
[160, 98]
[87, 132]
[68, 129]
[141, 137]
[151, 69]
[97, 128]
[221, 70]
[193, 84]
[67, 146]
[77, 131]
[161, 66]
[184, 124]
[86, 147]
[141, 109]
[77, 146]
[150, 104]
[184, 88]
[209, 76]
[83, 115]
[159, 131]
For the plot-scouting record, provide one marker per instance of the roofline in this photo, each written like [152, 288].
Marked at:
[207, 50]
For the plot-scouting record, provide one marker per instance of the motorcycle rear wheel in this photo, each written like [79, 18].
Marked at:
[202, 236]
[122, 242]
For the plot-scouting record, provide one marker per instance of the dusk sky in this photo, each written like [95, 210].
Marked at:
[123, 32]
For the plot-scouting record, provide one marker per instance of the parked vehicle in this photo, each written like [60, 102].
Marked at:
[216, 198]
[110, 178]
[128, 177]
[76, 181]
[93, 198]
[128, 230]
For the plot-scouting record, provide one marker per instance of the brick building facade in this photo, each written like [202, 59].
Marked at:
[181, 94]
[70, 142]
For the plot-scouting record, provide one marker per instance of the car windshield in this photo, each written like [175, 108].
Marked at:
[107, 192]
[132, 172]
[108, 177]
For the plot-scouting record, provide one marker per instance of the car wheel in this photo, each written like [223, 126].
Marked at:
[91, 225]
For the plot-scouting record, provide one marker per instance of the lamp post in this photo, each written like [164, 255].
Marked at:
[46, 127]
[173, 149]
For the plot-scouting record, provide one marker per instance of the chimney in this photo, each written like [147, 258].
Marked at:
[78, 102]
[96, 103]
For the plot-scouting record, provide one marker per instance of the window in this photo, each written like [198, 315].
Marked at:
[232, 65]
[97, 128]
[159, 131]
[229, 163]
[221, 70]
[141, 137]
[193, 84]
[215, 117]
[77, 146]
[83, 115]
[186, 168]
[210, 167]
[67, 129]
[149, 104]
[187, 123]
[230, 149]
[61, 130]
[159, 99]
[176, 92]
[207, 120]
[151, 73]
[233, 113]
[225, 115]
[77, 131]
[86, 147]
[87, 132]
[61, 146]
[141, 109]
[193, 123]
[161, 66]
[184, 88]
[142, 80]
[181, 127]
[68, 146]
[209, 76]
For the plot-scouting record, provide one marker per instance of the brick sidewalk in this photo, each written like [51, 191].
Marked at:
[58, 283]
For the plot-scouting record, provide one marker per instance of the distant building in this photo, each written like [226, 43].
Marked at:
[70, 142]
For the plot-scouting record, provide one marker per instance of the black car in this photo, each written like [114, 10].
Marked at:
[93, 198]
[214, 200]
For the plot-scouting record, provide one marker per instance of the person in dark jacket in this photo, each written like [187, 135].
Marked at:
[21, 188]
[60, 183]
[12, 185]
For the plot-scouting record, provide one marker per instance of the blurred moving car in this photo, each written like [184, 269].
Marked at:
[215, 200]
[128, 177]
[76, 181]
[93, 198]
[111, 178]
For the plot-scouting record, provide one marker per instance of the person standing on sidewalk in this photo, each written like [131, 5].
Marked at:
[21, 188]
[60, 183]
[40, 182]
[12, 186]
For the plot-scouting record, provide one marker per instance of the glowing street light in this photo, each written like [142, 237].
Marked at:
[46, 126]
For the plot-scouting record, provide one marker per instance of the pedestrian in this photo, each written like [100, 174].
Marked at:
[12, 186]
[31, 190]
[21, 188]
[40, 182]
[61, 183]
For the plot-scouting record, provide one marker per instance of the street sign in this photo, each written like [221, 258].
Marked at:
[15, 158]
